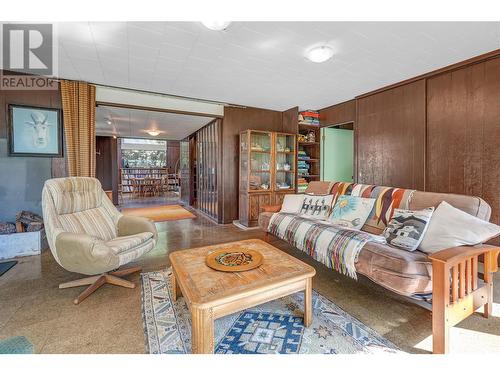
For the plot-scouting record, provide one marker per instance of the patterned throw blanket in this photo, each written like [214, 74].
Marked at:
[336, 247]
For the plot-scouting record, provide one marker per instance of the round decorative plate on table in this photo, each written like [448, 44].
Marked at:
[234, 261]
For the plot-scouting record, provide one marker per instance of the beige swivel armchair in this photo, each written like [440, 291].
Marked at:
[88, 235]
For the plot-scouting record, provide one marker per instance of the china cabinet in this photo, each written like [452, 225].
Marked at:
[267, 171]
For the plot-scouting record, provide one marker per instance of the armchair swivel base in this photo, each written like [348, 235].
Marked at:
[95, 282]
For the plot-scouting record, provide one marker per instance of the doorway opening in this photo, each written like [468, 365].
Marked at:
[139, 155]
[337, 153]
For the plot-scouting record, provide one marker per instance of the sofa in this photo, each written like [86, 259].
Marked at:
[445, 279]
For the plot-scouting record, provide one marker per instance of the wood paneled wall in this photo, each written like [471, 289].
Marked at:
[437, 132]
[338, 113]
[235, 120]
[463, 132]
[173, 154]
[390, 137]
[107, 164]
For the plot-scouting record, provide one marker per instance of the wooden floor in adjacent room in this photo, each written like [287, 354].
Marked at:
[110, 320]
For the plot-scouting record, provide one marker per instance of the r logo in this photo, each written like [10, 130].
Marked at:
[28, 48]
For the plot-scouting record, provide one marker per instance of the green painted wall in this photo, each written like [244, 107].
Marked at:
[337, 154]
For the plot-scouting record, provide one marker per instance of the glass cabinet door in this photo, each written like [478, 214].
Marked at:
[260, 161]
[285, 161]
[244, 161]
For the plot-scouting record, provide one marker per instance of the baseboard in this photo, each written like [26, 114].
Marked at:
[244, 227]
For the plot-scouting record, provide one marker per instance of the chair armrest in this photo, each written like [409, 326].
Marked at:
[128, 225]
[270, 208]
[84, 254]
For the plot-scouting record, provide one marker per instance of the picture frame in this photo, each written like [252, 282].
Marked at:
[34, 131]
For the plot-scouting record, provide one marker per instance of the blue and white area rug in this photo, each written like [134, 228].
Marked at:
[274, 327]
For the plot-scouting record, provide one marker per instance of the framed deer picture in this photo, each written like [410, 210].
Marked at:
[35, 131]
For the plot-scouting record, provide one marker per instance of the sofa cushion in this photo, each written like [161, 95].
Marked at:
[474, 206]
[404, 272]
[319, 187]
[407, 228]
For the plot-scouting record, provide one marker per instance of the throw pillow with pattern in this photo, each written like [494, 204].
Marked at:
[316, 207]
[406, 228]
[351, 212]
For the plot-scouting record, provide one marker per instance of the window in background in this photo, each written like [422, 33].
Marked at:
[143, 153]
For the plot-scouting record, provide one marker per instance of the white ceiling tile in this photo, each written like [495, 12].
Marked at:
[262, 63]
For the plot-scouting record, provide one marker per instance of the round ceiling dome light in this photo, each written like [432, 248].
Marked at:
[153, 133]
[216, 25]
[320, 54]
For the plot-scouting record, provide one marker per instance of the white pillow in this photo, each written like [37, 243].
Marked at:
[316, 206]
[351, 212]
[292, 203]
[451, 227]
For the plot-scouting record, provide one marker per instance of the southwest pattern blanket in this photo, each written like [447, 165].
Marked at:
[336, 247]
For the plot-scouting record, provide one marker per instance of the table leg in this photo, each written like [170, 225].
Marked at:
[202, 330]
[176, 290]
[308, 303]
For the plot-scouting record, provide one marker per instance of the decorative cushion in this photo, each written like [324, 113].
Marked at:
[316, 207]
[451, 227]
[406, 228]
[292, 203]
[351, 212]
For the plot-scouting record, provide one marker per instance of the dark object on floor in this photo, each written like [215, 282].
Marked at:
[7, 228]
[16, 345]
[29, 221]
[5, 266]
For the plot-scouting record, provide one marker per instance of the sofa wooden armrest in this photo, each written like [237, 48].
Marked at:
[270, 208]
[456, 289]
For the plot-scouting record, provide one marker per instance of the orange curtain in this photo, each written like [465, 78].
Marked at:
[78, 102]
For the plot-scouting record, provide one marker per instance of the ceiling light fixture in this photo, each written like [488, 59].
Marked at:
[216, 25]
[108, 122]
[153, 133]
[320, 54]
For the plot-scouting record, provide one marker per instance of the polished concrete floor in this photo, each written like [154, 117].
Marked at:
[166, 198]
[110, 320]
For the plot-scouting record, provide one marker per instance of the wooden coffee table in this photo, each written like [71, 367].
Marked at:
[211, 294]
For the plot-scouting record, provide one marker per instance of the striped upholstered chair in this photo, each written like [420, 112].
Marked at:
[88, 235]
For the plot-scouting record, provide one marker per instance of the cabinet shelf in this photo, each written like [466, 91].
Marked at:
[308, 126]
